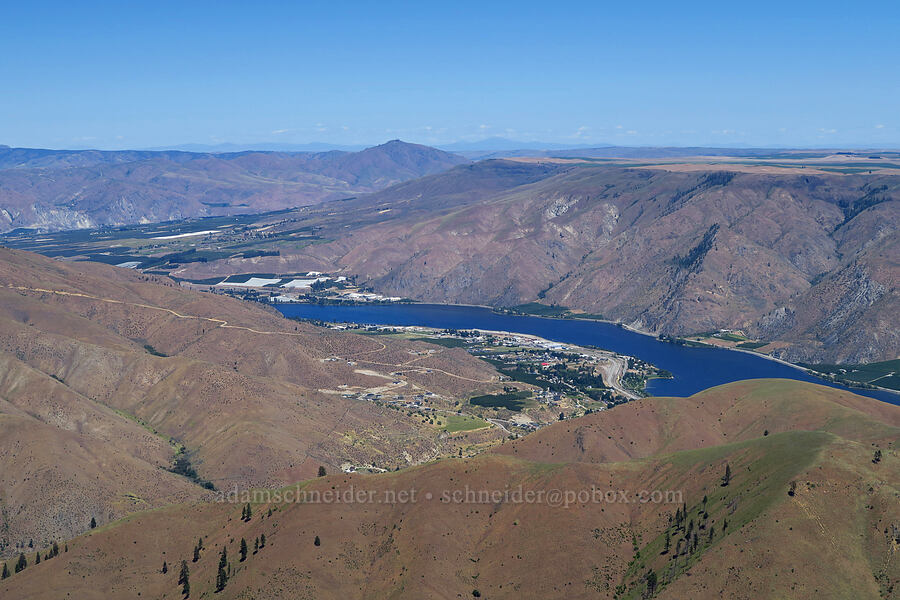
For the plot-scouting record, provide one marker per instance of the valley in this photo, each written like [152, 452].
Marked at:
[798, 252]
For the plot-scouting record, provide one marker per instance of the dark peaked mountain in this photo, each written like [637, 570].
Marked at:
[71, 189]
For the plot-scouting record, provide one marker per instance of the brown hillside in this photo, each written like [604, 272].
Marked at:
[835, 537]
[133, 368]
[725, 414]
[809, 259]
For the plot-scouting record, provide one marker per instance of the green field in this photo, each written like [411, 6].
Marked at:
[541, 310]
[883, 374]
[445, 342]
[454, 423]
[751, 345]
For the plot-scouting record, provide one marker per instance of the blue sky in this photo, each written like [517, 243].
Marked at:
[116, 75]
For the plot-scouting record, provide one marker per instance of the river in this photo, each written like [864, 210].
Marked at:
[694, 369]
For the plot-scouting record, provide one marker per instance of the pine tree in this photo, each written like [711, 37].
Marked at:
[55, 550]
[712, 533]
[726, 478]
[37, 557]
[186, 588]
[668, 543]
[185, 573]
[196, 553]
[93, 522]
[317, 541]
[165, 568]
[249, 512]
[262, 540]
[877, 456]
[651, 582]
[21, 563]
[243, 549]
[5, 572]
[321, 471]
[256, 545]
[222, 575]
[243, 513]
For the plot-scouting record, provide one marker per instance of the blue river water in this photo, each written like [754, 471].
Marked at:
[694, 369]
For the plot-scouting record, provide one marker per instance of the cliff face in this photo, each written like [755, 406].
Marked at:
[808, 259]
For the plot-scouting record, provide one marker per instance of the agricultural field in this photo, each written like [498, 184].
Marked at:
[884, 374]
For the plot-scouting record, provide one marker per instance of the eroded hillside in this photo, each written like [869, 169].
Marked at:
[806, 512]
[108, 376]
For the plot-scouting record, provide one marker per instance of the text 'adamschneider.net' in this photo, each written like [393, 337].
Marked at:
[557, 498]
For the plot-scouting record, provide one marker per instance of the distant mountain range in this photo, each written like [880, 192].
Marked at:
[72, 189]
[262, 147]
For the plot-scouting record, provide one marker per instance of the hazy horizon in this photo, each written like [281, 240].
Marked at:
[112, 76]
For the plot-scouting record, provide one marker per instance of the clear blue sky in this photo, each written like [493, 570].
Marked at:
[115, 75]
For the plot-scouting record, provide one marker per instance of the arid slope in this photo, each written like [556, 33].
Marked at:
[107, 373]
[835, 535]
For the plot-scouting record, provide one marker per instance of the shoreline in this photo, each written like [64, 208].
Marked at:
[631, 329]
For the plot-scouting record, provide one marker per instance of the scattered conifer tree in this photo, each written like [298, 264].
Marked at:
[321, 471]
[726, 478]
[243, 549]
[21, 563]
[5, 572]
[165, 568]
[221, 579]
[37, 557]
[652, 581]
[792, 489]
[262, 540]
[256, 545]
[877, 457]
[93, 522]
[317, 541]
[184, 579]
[668, 543]
[55, 550]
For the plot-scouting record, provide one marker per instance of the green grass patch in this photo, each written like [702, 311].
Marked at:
[731, 337]
[762, 470]
[445, 342]
[541, 310]
[751, 345]
[454, 423]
